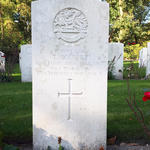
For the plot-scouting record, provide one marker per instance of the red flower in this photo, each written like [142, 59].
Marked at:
[146, 96]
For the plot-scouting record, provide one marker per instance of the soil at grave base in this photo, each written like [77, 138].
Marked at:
[140, 144]
[112, 147]
[115, 147]
[119, 145]
[25, 144]
[25, 147]
[18, 140]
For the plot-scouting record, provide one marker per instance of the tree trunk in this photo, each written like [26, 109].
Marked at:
[121, 16]
[1, 22]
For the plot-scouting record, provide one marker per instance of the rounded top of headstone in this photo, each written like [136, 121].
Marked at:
[70, 25]
[1, 53]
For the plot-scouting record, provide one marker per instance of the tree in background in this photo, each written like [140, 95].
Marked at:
[129, 24]
[15, 24]
[15, 29]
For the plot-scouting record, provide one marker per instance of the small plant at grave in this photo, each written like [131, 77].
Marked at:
[138, 113]
[148, 77]
[110, 70]
[133, 71]
[59, 142]
[111, 67]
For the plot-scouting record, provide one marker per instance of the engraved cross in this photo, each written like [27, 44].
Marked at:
[69, 94]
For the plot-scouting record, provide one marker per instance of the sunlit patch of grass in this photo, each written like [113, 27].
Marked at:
[121, 120]
[16, 74]
[129, 62]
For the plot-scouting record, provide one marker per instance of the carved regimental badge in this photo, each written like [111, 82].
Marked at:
[70, 25]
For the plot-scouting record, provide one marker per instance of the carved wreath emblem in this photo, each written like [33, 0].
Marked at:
[70, 25]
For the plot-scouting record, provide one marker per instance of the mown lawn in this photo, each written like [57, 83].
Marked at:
[121, 121]
[16, 110]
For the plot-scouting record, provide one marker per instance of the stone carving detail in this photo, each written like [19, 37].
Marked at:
[70, 25]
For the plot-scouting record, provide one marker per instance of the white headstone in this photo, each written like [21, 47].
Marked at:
[115, 58]
[140, 57]
[70, 49]
[148, 60]
[26, 63]
[143, 57]
[2, 62]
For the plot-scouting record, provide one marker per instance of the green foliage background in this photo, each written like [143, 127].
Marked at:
[15, 24]
[128, 23]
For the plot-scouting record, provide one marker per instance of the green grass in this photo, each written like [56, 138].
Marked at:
[16, 73]
[17, 69]
[135, 72]
[16, 110]
[121, 121]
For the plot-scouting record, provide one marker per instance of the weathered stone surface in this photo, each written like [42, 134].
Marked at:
[2, 62]
[143, 57]
[70, 49]
[26, 63]
[115, 52]
[148, 61]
